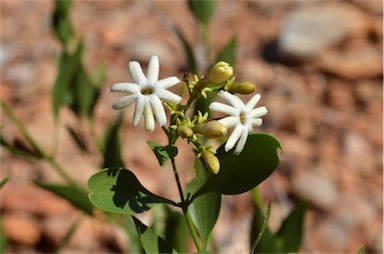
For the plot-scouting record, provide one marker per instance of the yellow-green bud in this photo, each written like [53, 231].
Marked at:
[220, 72]
[211, 129]
[242, 88]
[185, 131]
[211, 161]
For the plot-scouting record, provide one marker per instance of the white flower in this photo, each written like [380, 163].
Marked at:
[242, 117]
[146, 92]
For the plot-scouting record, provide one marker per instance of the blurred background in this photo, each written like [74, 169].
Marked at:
[317, 64]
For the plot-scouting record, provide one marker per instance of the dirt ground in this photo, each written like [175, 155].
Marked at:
[317, 64]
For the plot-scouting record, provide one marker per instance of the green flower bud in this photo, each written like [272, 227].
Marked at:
[185, 131]
[211, 161]
[211, 129]
[220, 72]
[241, 88]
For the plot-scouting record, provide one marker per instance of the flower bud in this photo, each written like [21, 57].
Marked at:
[242, 88]
[211, 161]
[211, 129]
[220, 72]
[185, 131]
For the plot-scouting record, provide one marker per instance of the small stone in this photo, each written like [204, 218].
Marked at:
[22, 228]
[312, 29]
[317, 188]
[358, 63]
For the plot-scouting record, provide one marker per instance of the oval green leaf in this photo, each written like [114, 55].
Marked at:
[118, 190]
[204, 210]
[241, 173]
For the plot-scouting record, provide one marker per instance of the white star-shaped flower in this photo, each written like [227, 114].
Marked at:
[242, 117]
[147, 92]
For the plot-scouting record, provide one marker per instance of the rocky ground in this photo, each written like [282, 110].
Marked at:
[318, 66]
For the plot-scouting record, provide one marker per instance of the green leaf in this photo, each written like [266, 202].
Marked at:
[256, 225]
[118, 190]
[202, 9]
[152, 243]
[73, 195]
[3, 238]
[171, 226]
[290, 233]
[228, 53]
[78, 138]
[204, 210]
[4, 181]
[21, 149]
[361, 249]
[112, 149]
[61, 21]
[68, 65]
[163, 153]
[241, 173]
[188, 51]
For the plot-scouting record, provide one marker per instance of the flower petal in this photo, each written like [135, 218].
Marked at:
[235, 135]
[140, 103]
[124, 87]
[137, 74]
[153, 70]
[259, 112]
[232, 99]
[167, 95]
[229, 121]
[243, 139]
[149, 120]
[223, 108]
[253, 101]
[256, 122]
[167, 82]
[158, 109]
[124, 101]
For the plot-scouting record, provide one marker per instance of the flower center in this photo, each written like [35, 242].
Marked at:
[243, 118]
[147, 90]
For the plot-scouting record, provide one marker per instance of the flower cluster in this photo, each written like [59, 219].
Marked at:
[148, 94]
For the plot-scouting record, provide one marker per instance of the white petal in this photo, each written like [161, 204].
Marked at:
[229, 121]
[253, 101]
[124, 87]
[158, 109]
[140, 103]
[235, 135]
[148, 117]
[125, 101]
[167, 95]
[153, 70]
[167, 82]
[259, 112]
[256, 122]
[232, 99]
[223, 108]
[243, 139]
[137, 74]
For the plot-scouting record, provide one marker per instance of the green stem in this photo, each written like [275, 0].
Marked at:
[207, 46]
[172, 137]
[177, 178]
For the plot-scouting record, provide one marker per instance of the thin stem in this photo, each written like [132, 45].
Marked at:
[177, 178]
[50, 159]
[207, 45]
